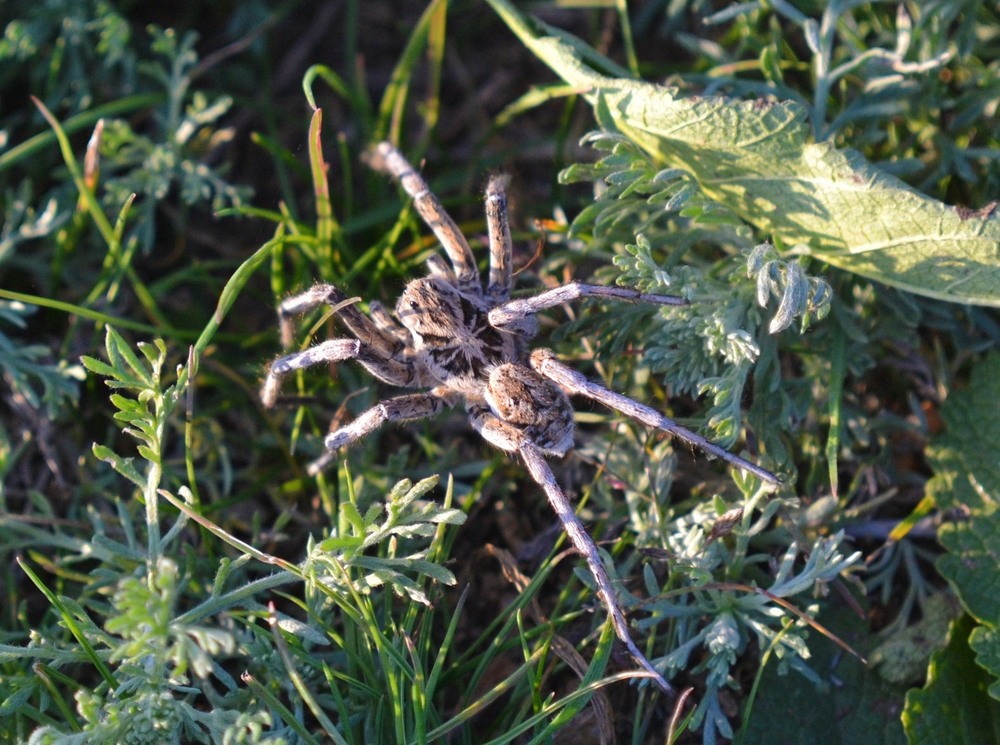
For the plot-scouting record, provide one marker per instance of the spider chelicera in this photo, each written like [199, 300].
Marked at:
[461, 341]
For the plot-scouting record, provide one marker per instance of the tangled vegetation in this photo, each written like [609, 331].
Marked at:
[815, 178]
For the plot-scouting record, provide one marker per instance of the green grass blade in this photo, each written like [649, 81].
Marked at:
[86, 194]
[71, 624]
[79, 310]
[272, 702]
[297, 681]
[390, 116]
[501, 688]
[228, 296]
[328, 230]
[838, 372]
[84, 120]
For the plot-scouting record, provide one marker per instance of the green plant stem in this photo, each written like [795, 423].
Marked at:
[71, 623]
[94, 315]
[838, 371]
[226, 299]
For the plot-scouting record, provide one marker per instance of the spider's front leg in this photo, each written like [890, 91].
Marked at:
[380, 345]
[513, 440]
[512, 315]
[334, 350]
[384, 344]
[392, 371]
[385, 157]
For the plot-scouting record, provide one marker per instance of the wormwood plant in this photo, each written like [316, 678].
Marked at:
[811, 196]
[172, 156]
[710, 346]
[713, 602]
[166, 159]
[26, 368]
[83, 43]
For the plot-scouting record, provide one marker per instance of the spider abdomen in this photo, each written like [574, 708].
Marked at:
[521, 397]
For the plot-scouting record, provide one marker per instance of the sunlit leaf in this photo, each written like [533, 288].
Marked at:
[755, 158]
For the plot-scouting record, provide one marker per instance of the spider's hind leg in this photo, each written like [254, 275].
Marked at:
[512, 440]
[546, 363]
[585, 545]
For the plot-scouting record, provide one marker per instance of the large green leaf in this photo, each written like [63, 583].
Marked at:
[967, 481]
[953, 707]
[853, 704]
[754, 157]
[985, 642]
[964, 455]
[972, 563]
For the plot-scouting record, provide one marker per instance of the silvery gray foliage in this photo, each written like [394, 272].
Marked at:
[27, 369]
[800, 296]
[658, 228]
[715, 621]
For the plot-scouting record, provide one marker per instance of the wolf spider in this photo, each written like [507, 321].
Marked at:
[463, 342]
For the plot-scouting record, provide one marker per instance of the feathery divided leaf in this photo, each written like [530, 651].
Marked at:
[404, 516]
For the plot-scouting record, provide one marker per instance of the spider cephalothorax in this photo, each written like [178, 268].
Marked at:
[451, 334]
[461, 341]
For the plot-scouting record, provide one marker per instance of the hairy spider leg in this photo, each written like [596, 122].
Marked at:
[400, 373]
[399, 409]
[385, 157]
[512, 440]
[436, 267]
[512, 315]
[501, 247]
[333, 350]
[388, 325]
[381, 353]
[546, 363]
[385, 345]
[584, 544]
